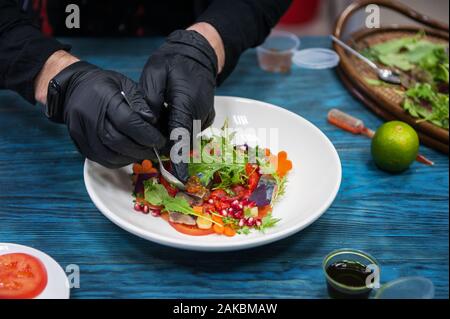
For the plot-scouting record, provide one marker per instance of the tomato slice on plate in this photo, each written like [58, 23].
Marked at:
[187, 229]
[22, 276]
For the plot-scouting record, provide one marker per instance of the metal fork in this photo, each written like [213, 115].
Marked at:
[165, 173]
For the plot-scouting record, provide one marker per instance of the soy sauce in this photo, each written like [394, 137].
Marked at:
[351, 274]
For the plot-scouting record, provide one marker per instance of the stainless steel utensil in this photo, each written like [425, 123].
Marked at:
[385, 75]
[165, 173]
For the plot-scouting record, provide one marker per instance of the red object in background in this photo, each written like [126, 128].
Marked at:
[301, 11]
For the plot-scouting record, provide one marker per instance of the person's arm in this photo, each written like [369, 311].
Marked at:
[241, 24]
[24, 51]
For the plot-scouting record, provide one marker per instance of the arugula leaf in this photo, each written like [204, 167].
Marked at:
[154, 193]
[228, 164]
[244, 230]
[268, 222]
[424, 102]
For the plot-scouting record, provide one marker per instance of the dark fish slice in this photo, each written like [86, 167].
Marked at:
[180, 218]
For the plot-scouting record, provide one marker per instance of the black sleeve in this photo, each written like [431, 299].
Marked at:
[23, 50]
[242, 24]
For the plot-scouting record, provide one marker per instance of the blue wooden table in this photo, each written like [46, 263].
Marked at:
[402, 220]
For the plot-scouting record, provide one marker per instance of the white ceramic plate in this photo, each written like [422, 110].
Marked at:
[312, 184]
[57, 285]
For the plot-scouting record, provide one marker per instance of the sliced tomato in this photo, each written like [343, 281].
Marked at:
[170, 189]
[21, 276]
[191, 230]
[187, 229]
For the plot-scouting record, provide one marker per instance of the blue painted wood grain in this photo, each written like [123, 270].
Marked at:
[400, 219]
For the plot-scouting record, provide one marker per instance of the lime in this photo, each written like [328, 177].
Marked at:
[395, 146]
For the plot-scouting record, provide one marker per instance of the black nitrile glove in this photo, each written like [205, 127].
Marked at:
[182, 73]
[101, 123]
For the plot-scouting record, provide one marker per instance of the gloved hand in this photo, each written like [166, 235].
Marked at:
[101, 123]
[182, 73]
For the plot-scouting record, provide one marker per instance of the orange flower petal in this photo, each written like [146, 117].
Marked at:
[282, 156]
[137, 168]
[147, 165]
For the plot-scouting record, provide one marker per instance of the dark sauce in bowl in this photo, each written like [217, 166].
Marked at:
[351, 274]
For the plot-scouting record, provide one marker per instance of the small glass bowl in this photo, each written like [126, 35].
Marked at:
[275, 54]
[339, 290]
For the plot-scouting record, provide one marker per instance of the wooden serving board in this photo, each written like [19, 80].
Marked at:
[386, 101]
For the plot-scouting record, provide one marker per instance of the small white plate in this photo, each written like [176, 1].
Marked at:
[312, 184]
[57, 285]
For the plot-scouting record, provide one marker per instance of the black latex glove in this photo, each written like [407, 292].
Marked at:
[182, 73]
[101, 123]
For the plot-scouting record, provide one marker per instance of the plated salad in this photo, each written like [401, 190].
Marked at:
[231, 189]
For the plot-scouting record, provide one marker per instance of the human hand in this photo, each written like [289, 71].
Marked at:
[182, 73]
[101, 123]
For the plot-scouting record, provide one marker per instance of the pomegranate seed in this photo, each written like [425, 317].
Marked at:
[224, 212]
[156, 213]
[258, 223]
[235, 202]
[251, 204]
[146, 209]
[241, 223]
[211, 201]
[230, 210]
[137, 207]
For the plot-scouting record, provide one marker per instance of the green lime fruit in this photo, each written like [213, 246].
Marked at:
[395, 146]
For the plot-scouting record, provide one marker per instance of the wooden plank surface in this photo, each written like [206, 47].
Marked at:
[402, 220]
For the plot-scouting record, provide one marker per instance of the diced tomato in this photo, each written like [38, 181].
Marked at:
[253, 176]
[207, 208]
[187, 229]
[218, 194]
[264, 211]
[239, 190]
[253, 181]
[170, 189]
[21, 276]
[221, 204]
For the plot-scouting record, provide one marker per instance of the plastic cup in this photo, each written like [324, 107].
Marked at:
[407, 288]
[275, 54]
[340, 290]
